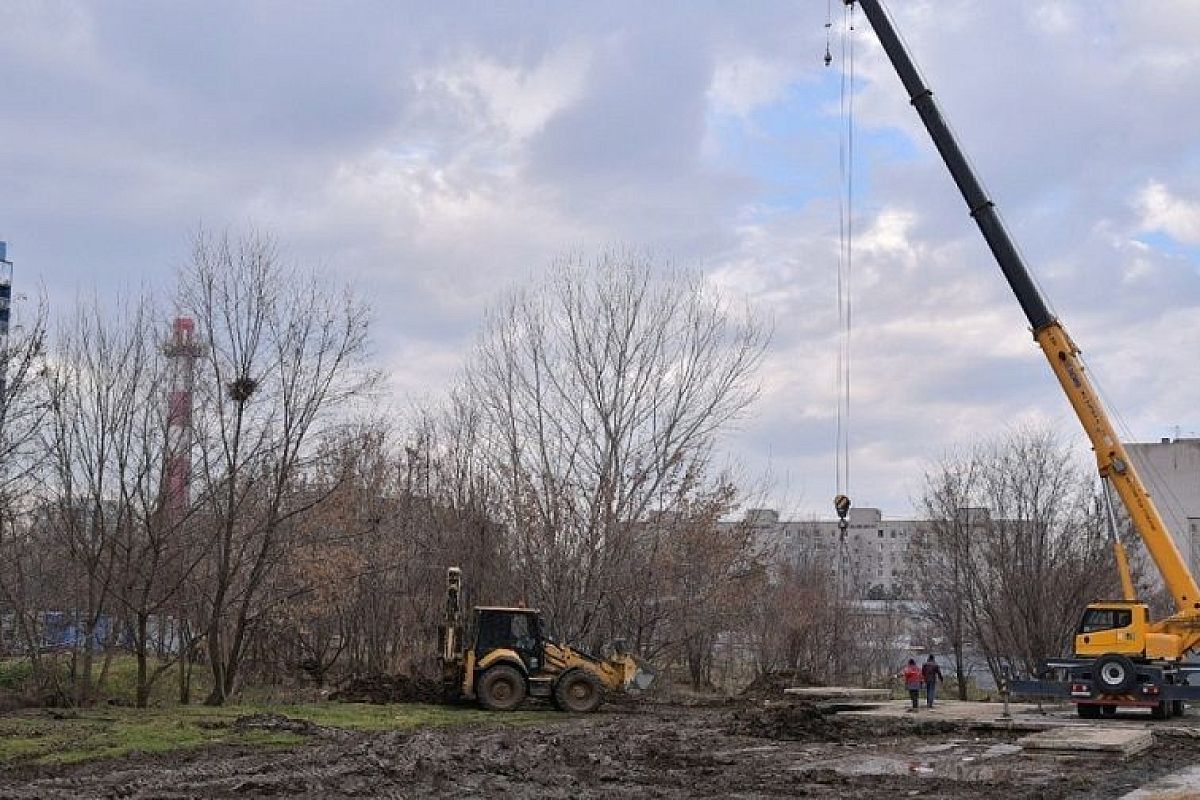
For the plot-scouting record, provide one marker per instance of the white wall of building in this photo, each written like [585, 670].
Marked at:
[1171, 471]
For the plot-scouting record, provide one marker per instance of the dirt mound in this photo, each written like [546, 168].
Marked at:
[807, 722]
[275, 722]
[771, 684]
[388, 689]
[791, 721]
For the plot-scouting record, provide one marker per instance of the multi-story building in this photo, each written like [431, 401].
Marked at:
[1171, 471]
[872, 554]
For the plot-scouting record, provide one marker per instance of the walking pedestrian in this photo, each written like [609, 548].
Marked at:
[931, 674]
[912, 682]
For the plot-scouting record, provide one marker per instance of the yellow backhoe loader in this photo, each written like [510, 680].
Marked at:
[505, 655]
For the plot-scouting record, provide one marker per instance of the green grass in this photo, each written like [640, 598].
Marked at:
[45, 737]
[120, 682]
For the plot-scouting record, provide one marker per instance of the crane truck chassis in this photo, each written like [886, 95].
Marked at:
[1121, 656]
[504, 656]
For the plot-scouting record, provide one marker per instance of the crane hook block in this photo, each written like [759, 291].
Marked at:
[841, 504]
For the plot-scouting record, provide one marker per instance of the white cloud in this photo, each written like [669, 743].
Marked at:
[1161, 210]
[519, 100]
[742, 84]
[437, 155]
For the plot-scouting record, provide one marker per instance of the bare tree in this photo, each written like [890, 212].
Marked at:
[283, 358]
[804, 622]
[24, 409]
[105, 375]
[1016, 548]
[598, 392]
[939, 556]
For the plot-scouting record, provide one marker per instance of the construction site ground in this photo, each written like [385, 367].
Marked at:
[739, 749]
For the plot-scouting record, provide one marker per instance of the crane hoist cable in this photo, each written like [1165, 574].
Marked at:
[828, 27]
[845, 269]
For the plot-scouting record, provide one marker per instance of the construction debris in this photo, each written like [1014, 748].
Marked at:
[1091, 739]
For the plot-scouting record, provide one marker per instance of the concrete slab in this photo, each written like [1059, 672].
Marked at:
[838, 693]
[1182, 785]
[983, 715]
[1029, 717]
[1123, 741]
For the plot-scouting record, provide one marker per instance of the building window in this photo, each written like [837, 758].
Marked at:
[881, 534]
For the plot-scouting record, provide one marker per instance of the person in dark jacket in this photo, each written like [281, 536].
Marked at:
[931, 674]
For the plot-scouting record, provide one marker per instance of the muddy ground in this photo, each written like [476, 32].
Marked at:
[742, 751]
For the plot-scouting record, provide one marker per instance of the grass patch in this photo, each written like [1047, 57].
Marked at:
[17, 678]
[43, 737]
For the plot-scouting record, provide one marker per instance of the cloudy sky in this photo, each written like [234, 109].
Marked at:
[436, 154]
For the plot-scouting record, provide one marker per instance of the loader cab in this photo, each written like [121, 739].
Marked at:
[516, 629]
[1112, 628]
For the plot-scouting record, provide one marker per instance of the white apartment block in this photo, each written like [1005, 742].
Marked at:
[1171, 471]
[873, 554]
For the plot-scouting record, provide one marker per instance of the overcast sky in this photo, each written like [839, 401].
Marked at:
[437, 154]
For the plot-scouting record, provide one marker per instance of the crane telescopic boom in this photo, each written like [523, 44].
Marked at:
[1062, 354]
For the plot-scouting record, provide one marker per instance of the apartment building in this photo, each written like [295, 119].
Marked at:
[871, 555]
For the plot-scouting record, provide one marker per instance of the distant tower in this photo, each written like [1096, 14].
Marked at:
[5, 310]
[182, 349]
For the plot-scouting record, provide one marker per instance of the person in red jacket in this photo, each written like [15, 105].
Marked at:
[912, 682]
[931, 674]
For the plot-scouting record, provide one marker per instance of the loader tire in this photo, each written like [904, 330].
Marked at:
[502, 688]
[1114, 673]
[578, 691]
[1088, 710]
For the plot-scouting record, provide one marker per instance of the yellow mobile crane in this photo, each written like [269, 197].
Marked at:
[1121, 656]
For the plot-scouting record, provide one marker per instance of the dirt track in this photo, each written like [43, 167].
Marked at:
[661, 752]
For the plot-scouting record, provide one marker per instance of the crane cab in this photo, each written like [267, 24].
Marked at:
[1112, 628]
[1123, 628]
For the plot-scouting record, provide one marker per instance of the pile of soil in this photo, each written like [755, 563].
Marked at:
[770, 685]
[276, 722]
[804, 721]
[388, 689]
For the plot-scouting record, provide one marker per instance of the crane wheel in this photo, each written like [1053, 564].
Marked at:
[502, 688]
[578, 691]
[1114, 673]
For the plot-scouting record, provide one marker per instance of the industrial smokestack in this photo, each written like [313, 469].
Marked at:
[182, 349]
